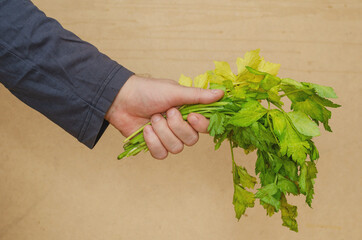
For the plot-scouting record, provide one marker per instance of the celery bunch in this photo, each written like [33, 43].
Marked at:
[286, 162]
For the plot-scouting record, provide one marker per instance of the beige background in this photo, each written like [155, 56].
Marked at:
[53, 187]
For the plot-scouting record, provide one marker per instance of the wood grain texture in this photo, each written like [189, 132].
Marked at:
[52, 187]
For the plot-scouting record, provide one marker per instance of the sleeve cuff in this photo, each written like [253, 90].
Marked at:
[95, 124]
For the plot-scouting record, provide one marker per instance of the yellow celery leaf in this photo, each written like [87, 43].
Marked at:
[271, 68]
[185, 81]
[251, 59]
[201, 81]
[223, 69]
[214, 78]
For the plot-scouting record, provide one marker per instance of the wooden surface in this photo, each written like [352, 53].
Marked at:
[52, 187]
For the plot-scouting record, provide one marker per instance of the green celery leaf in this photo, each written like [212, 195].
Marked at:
[218, 139]
[260, 163]
[325, 102]
[269, 81]
[313, 154]
[291, 143]
[273, 96]
[279, 122]
[228, 84]
[267, 177]
[238, 92]
[313, 108]
[276, 162]
[287, 186]
[217, 86]
[307, 175]
[289, 169]
[322, 91]
[304, 124]
[291, 82]
[253, 136]
[250, 112]
[254, 71]
[216, 124]
[267, 193]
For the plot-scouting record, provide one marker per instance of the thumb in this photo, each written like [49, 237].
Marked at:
[191, 95]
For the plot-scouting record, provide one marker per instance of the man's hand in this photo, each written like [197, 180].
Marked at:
[143, 99]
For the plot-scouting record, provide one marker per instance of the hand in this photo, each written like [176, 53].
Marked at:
[143, 99]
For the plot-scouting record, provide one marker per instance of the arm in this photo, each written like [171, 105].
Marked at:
[56, 73]
[82, 90]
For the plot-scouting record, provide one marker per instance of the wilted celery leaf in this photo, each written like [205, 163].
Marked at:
[242, 199]
[250, 112]
[216, 125]
[286, 186]
[308, 173]
[304, 124]
[243, 178]
[270, 210]
[291, 143]
[289, 214]
[268, 193]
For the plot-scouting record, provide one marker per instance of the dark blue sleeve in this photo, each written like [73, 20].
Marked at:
[53, 71]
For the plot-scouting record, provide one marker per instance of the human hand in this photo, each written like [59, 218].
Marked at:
[143, 99]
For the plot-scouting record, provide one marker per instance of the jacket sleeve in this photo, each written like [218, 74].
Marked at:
[53, 71]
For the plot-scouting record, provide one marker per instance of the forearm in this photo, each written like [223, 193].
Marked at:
[56, 73]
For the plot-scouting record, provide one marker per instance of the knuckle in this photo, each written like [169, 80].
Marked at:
[174, 123]
[197, 95]
[157, 120]
[176, 148]
[192, 140]
[160, 156]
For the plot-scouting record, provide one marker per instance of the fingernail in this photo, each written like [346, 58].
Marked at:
[171, 112]
[156, 118]
[215, 91]
[193, 119]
